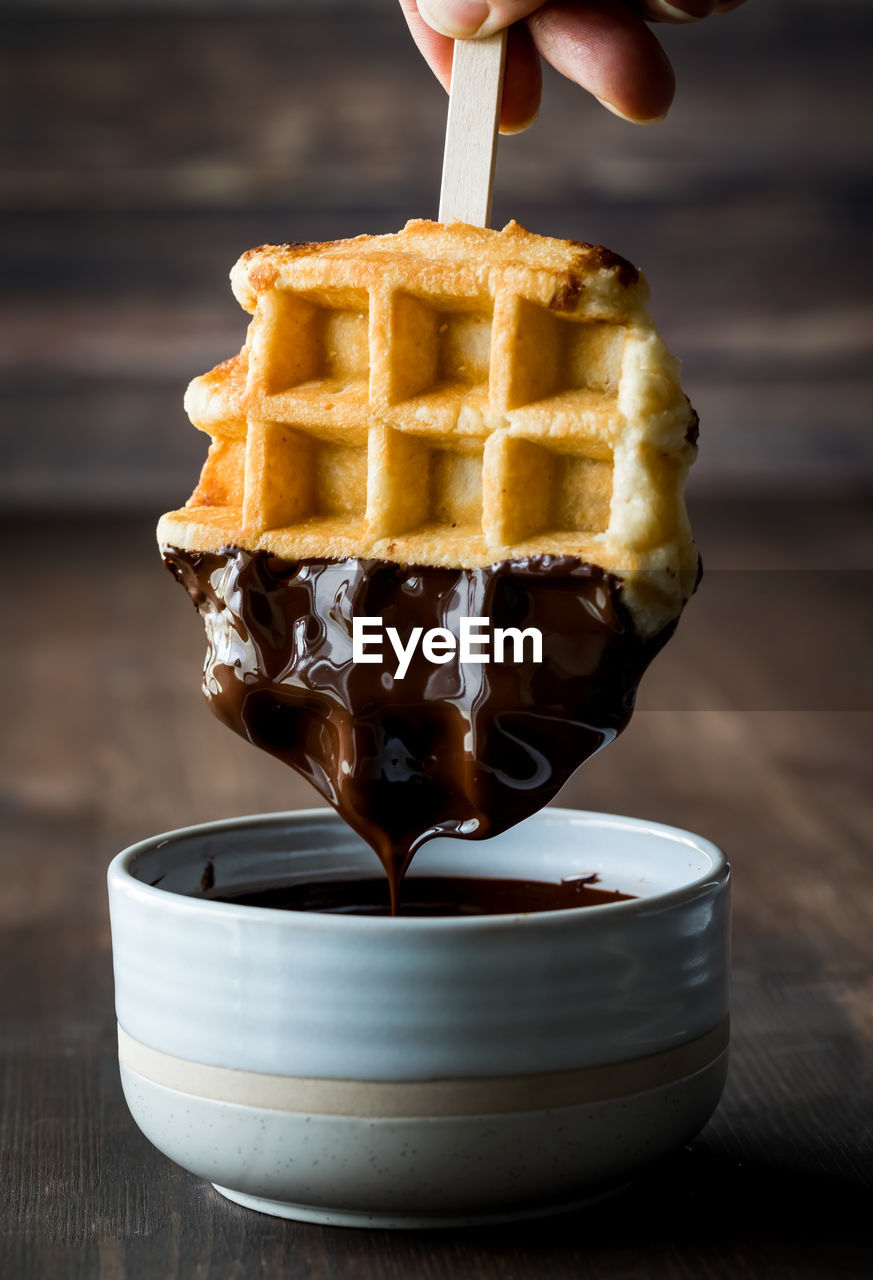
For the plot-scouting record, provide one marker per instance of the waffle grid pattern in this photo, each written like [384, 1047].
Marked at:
[425, 403]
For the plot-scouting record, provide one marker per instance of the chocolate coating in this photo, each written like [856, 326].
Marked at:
[453, 749]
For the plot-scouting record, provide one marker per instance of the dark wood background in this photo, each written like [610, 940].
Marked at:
[144, 147]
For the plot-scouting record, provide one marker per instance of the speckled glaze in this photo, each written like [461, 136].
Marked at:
[412, 1072]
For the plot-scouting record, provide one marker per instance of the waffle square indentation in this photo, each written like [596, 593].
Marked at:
[434, 347]
[316, 343]
[414, 484]
[531, 489]
[552, 356]
[292, 476]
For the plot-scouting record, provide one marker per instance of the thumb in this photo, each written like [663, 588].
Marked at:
[464, 19]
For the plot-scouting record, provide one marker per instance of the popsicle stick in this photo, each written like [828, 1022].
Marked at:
[471, 130]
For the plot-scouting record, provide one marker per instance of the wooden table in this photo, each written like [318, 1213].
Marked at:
[754, 728]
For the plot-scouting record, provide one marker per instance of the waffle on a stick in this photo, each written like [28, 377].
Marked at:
[448, 396]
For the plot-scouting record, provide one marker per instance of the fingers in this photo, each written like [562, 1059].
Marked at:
[684, 10]
[676, 10]
[462, 19]
[602, 45]
[522, 79]
[608, 50]
[465, 18]
[435, 48]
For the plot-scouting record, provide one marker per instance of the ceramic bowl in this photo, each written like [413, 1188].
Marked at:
[424, 1071]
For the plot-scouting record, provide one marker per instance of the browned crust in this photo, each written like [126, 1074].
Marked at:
[599, 258]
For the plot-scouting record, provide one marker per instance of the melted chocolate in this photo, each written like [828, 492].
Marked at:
[428, 896]
[453, 749]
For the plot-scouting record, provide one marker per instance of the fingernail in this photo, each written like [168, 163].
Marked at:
[631, 119]
[519, 128]
[457, 18]
[698, 9]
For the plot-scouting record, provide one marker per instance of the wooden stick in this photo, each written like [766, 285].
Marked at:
[471, 130]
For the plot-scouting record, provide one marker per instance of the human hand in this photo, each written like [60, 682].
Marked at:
[603, 45]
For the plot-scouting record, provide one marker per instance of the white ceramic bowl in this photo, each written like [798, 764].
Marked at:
[408, 1072]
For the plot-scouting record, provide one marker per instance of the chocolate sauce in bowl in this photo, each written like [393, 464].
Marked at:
[428, 896]
[452, 748]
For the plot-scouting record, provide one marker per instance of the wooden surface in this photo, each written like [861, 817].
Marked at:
[144, 144]
[755, 728]
[143, 147]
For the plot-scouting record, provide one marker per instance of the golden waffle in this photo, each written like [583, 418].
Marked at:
[448, 395]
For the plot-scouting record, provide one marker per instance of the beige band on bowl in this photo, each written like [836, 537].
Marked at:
[384, 1099]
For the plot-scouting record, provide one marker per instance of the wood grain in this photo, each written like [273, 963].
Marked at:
[471, 130]
[755, 728]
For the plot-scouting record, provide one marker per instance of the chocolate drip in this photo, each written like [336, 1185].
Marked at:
[452, 749]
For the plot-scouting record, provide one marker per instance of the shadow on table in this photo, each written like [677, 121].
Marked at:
[700, 1201]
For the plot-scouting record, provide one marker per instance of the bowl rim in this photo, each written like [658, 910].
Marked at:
[121, 879]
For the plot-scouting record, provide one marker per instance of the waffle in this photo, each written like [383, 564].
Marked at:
[448, 395]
